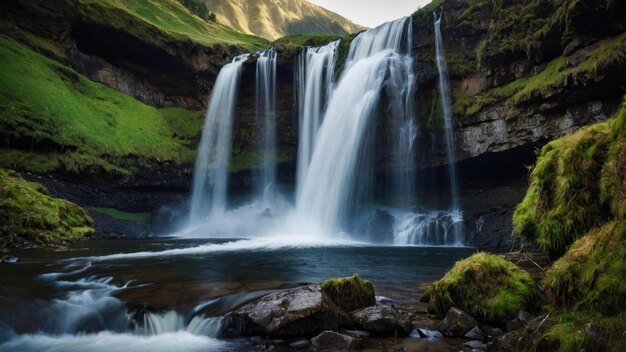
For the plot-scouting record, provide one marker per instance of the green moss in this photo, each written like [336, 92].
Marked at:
[487, 287]
[350, 293]
[29, 213]
[252, 159]
[122, 215]
[576, 185]
[74, 123]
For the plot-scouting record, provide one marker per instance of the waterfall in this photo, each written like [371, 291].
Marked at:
[266, 110]
[171, 321]
[446, 104]
[210, 179]
[315, 73]
[332, 176]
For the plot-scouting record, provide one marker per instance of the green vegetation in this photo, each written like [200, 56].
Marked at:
[350, 293]
[577, 196]
[198, 8]
[144, 18]
[252, 159]
[79, 125]
[29, 213]
[122, 215]
[487, 287]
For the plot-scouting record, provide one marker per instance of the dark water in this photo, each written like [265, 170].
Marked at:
[183, 275]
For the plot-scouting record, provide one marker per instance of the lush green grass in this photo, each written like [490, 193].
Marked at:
[29, 213]
[50, 108]
[139, 17]
[122, 215]
[487, 287]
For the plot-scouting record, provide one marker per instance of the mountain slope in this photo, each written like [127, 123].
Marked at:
[272, 19]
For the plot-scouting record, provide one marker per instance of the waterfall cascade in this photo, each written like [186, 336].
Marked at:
[446, 105]
[315, 75]
[210, 178]
[332, 176]
[266, 111]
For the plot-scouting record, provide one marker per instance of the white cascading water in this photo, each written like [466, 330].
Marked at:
[331, 178]
[315, 73]
[266, 111]
[210, 178]
[446, 105]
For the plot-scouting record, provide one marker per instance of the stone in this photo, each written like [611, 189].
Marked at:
[332, 340]
[426, 334]
[300, 343]
[475, 334]
[475, 344]
[383, 319]
[10, 260]
[359, 334]
[457, 323]
[350, 293]
[299, 311]
[492, 333]
[524, 317]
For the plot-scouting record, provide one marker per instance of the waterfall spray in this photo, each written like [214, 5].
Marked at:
[266, 110]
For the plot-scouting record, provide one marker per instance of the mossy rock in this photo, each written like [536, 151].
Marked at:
[486, 286]
[576, 185]
[350, 293]
[29, 213]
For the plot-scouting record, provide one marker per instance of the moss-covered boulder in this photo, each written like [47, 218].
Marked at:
[350, 293]
[486, 286]
[28, 213]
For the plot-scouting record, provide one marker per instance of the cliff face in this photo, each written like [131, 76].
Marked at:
[522, 72]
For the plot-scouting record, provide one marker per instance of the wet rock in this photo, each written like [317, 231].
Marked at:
[350, 293]
[299, 311]
[331, 339]
[257, 339]
[426, 334]
[476, 334]
[9, 260]
[504, 342]
[382, 319]
[359, 334]
[592, 332]
[475, 344]
[300, 343]
[457, 323]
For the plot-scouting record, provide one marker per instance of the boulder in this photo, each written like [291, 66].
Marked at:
[475, 334]
[457, 323]
[382, 319]
[300, 343]
[332, 340]
[350, 293]
[379, 227]
[299, 311]
[475, 345]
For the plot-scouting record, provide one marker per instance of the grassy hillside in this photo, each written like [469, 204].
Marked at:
[140, 17]
[56, 119]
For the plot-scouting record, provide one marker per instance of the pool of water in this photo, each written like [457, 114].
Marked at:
[80, 298]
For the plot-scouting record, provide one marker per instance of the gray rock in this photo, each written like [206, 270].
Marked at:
[426, 334]
[524, 317]
[475, 344]
[382, 319]
[457, 323]
[379, 227]
[331, 339]
[359, 334]
[9, 260]
[493, 333]
[476, 334]
[294, 312]
[300, 343]
[257, 339]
